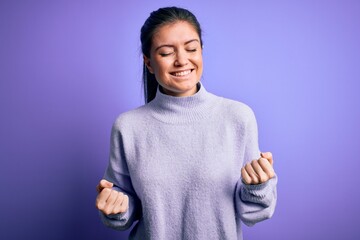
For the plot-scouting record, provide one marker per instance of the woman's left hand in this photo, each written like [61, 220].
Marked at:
[258, 171]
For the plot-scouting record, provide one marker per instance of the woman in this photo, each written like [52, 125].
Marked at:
[186, 165]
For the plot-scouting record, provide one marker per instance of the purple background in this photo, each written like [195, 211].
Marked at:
[68, 68]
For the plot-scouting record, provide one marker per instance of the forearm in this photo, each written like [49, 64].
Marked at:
[256, 203]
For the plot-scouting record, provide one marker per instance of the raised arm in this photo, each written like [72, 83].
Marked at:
[117, 201]
[256, 190]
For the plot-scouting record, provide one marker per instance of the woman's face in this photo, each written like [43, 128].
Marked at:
[176, 58]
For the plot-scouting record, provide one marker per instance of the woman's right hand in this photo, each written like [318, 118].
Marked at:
[110, 201]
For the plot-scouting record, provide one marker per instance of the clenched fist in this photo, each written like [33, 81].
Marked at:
[110, 201]
[258, 171]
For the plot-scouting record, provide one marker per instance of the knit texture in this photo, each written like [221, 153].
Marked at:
[179, 160]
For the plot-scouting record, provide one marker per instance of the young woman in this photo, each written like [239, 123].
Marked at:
[186, 165]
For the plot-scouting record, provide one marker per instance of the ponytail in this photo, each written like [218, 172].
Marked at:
[150, 85]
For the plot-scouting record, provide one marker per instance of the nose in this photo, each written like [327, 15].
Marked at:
[181, 59]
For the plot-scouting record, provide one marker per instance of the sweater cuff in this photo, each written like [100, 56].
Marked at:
[116, 221]
[259, 193]
[254, 187]
[119, 217]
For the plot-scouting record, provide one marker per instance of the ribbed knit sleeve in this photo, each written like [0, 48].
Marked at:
[117, 172]
[254, 203]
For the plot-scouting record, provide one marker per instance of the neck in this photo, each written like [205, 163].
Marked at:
[185, 109]
[175, 94]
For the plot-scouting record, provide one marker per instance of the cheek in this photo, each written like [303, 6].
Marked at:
[161, 66]
[198, 60]
[199, 64]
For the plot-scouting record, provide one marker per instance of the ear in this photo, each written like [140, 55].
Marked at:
[148, 64]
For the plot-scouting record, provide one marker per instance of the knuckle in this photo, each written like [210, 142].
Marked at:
[104, 211]
[106, 190]
[255, 180]
[122, 209]
[98, 205]
[247, 181]
[107, 211]
[113, 211]
[264, 162]
[263, 178]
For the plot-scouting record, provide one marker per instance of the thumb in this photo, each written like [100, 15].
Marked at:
[106, 184]
[268, 156]
[103, 184]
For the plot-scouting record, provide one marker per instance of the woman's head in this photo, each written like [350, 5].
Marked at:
[172, 48]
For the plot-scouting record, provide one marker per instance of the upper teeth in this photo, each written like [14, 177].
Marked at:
[182, 73]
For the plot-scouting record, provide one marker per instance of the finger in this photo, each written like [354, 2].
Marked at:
[123, 204]
[268, 156]
[249, 169]
[267, 167]
[110, 202]
[102, 198]
[118, 202]
[245, 176]
[263, 177]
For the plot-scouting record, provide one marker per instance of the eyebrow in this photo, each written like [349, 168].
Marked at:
[169, 45]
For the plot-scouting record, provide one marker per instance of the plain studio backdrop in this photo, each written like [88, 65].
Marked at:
[69, 68]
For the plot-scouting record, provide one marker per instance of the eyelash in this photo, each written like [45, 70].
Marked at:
[165, 54]
[168, 54]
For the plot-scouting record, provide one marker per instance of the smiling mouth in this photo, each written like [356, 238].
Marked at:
[182, 73]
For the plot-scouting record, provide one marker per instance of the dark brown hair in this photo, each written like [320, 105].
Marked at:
[157, 19]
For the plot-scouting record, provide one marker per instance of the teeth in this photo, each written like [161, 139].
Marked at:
[179, 74]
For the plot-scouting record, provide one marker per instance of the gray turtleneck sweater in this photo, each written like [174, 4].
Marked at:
[179, 160]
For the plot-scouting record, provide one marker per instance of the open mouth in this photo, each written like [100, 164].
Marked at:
[182, 73]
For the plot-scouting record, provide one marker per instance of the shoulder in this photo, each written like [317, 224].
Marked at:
[237, 110]
[132, 118]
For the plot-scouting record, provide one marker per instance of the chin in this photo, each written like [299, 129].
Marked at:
[185, 90]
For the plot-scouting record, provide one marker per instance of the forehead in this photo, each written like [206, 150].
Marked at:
[174, 33]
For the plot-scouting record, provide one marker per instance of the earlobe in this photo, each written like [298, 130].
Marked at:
[148, 64]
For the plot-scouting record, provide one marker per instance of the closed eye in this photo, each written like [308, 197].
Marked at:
[165, 54]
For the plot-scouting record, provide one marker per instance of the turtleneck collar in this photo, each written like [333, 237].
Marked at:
[192, 108]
